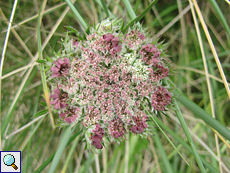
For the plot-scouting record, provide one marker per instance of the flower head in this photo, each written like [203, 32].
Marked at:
[60, 68]
[97, 136]
[140, 124]
[150, 54]
[103, 79]
[59, 99]
[161, 98]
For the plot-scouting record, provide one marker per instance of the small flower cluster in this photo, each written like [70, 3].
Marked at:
[102, 80]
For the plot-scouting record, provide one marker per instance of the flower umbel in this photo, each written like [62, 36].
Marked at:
[100, 80]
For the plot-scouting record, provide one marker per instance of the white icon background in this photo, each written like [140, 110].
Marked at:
[5, 168]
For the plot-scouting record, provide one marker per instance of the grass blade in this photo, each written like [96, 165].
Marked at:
[129, 9]
[188, 135]
[2, 60]
[42, 69]
[220, 16]
[105, 8]
[81, 20]
[203, 115]
[62, 145]
[45, 163]
[182, 142]
[70, 154]
[138, 18]
[153, 118]
[223, 76]
[164, 157]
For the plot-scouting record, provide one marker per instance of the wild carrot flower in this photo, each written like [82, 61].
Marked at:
[100, 80]
[61, 67]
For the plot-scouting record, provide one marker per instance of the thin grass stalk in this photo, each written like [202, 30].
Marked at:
[158, 17]
[36, 15]
[129, 9]
[70, 155]
[104, 158]
[33, 61]
[153, 118]
[17, 36]
[9, 114]
[212, 47]
[155, 155]
[25, 142]
[18, 70]
[183, 51]
[203, 115]
[221, 137]
[61, 147]
[42, 69]
[221, 16]
[97, 163]
[80, 19]
[47, 162]
[201, 72]
[105, 8]
[24, 127]
[138, 18]
[24, 81]
[2, 60]
[207, 79]
[187, 133]
[170, 24]
[165, 160]
[201, 142]
[127, 153]
[183, 142]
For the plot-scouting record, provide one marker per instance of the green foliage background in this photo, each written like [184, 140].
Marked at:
[22, 89]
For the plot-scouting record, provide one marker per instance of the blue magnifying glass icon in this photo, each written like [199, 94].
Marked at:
[9, 160]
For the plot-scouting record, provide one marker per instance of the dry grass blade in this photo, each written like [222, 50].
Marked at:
[200, 72]
[3, 57]
[36, 15]
[173, 22]
[207, 79]
[212, 47]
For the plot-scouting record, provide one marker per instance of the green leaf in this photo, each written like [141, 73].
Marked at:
[41, 61]
[43, 104]
[72, 30]
[45, 111]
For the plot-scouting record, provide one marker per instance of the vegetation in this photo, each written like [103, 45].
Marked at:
[193, 136]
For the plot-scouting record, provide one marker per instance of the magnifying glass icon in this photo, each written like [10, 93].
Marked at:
[9, 160]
